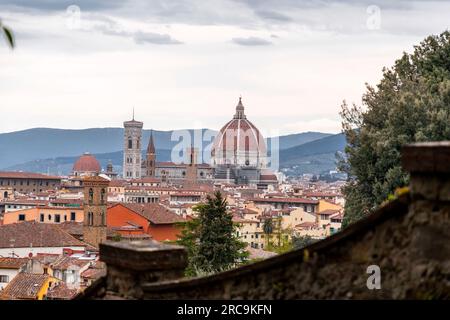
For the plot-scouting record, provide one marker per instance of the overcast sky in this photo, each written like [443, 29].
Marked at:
[184, 63]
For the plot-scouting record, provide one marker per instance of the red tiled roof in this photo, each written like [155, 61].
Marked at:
[285, 200]
[306, 225]
[12, 263]
[320, 194]
[146, 180]
[118, 183]
[268, 177]
[26, 175]
[31, 233]
[93, 273]
[24, 286]
[60, 291]
[154, 212]
[64, 262]
[328, 212]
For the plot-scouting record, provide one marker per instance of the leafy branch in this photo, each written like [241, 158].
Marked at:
[8, 34]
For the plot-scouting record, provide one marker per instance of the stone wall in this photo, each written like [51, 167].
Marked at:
[408, 239]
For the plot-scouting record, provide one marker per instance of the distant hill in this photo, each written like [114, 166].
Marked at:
[313, 157]
[330, 144]
[42, 143]
[55, 150]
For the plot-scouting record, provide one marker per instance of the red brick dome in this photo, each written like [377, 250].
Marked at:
[239, 141]
[87, 163]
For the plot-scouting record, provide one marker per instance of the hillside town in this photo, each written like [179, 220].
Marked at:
[51, 226]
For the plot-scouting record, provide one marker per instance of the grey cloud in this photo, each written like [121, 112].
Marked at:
[110, 27]
[55, 5]
[273, 15]
[155, 38]
[251, 41]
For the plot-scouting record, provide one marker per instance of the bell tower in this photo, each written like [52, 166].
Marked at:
[132, 157]
[95, 202]
[150, 164]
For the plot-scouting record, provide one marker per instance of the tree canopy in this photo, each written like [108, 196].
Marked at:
[211, 238]
[410, 104]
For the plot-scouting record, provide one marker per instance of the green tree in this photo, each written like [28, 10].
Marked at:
[189, 239]
[8, 34]
[211, 238]
[302, 241]
[268, 230]
[410, 104]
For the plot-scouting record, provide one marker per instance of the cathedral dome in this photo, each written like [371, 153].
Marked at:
[86, 164]
[239, 142]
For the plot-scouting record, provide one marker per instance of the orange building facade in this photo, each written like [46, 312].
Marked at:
[45, 215]
[151, 219]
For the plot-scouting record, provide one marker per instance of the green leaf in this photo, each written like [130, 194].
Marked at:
[9, 36]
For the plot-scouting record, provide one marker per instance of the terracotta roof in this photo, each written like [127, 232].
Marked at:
[320, 194]
[12, 263]
[64, 262]
[268, 177]
[60, 291]
[26, 202]
[93, 273]
[26, 175]
[339, 215]
[329, 212]
[25, 286]
[118, 183]
[306, 225]
[73, 228]
[76, 228]
[31, 233]
[170, 164]
[285, 200]
[46, 258]
[154, 212]
[146, 180]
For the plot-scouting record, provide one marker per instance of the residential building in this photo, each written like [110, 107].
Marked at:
[27, 182]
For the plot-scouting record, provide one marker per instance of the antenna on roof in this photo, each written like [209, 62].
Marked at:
[133, 113]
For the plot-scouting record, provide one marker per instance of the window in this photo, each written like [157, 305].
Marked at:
[57, 218]
[72, 216]
[49, 217]
[130, 143]
[21, 217]
[42, 218]
[91, 196]
[90, 218]
[102, 196]
[4, 278]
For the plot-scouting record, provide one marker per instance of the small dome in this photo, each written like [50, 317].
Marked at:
[86, 163]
